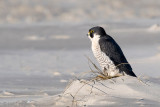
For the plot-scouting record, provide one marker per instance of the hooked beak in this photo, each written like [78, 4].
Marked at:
[88, 34]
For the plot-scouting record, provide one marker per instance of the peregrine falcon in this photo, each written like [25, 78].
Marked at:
[108, 53]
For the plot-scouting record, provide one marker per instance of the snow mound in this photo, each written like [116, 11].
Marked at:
[124, 91]
[154, 28]
[119, 91]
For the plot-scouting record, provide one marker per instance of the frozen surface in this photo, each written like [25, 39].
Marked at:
[43, 45]
[37, 62]
[121, 91]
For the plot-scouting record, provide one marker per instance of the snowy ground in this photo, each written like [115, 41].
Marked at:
[43, 46]
[122, 91]
[37, 64]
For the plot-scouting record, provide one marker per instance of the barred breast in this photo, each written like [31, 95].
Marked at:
[105, 62]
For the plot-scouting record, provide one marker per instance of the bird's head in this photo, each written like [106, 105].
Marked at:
[96, 32]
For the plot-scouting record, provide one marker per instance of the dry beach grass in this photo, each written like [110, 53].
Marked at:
[92, 84]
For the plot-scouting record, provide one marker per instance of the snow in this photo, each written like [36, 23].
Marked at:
[121, 91]
[43, 45]
[154, 28]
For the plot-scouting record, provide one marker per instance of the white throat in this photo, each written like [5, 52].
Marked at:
[95, 38]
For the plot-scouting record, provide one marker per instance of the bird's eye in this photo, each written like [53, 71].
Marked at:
[91, 31]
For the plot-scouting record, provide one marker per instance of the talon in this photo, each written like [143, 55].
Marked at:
[103, 77]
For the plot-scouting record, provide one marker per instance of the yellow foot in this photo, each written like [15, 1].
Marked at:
[103, 77]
